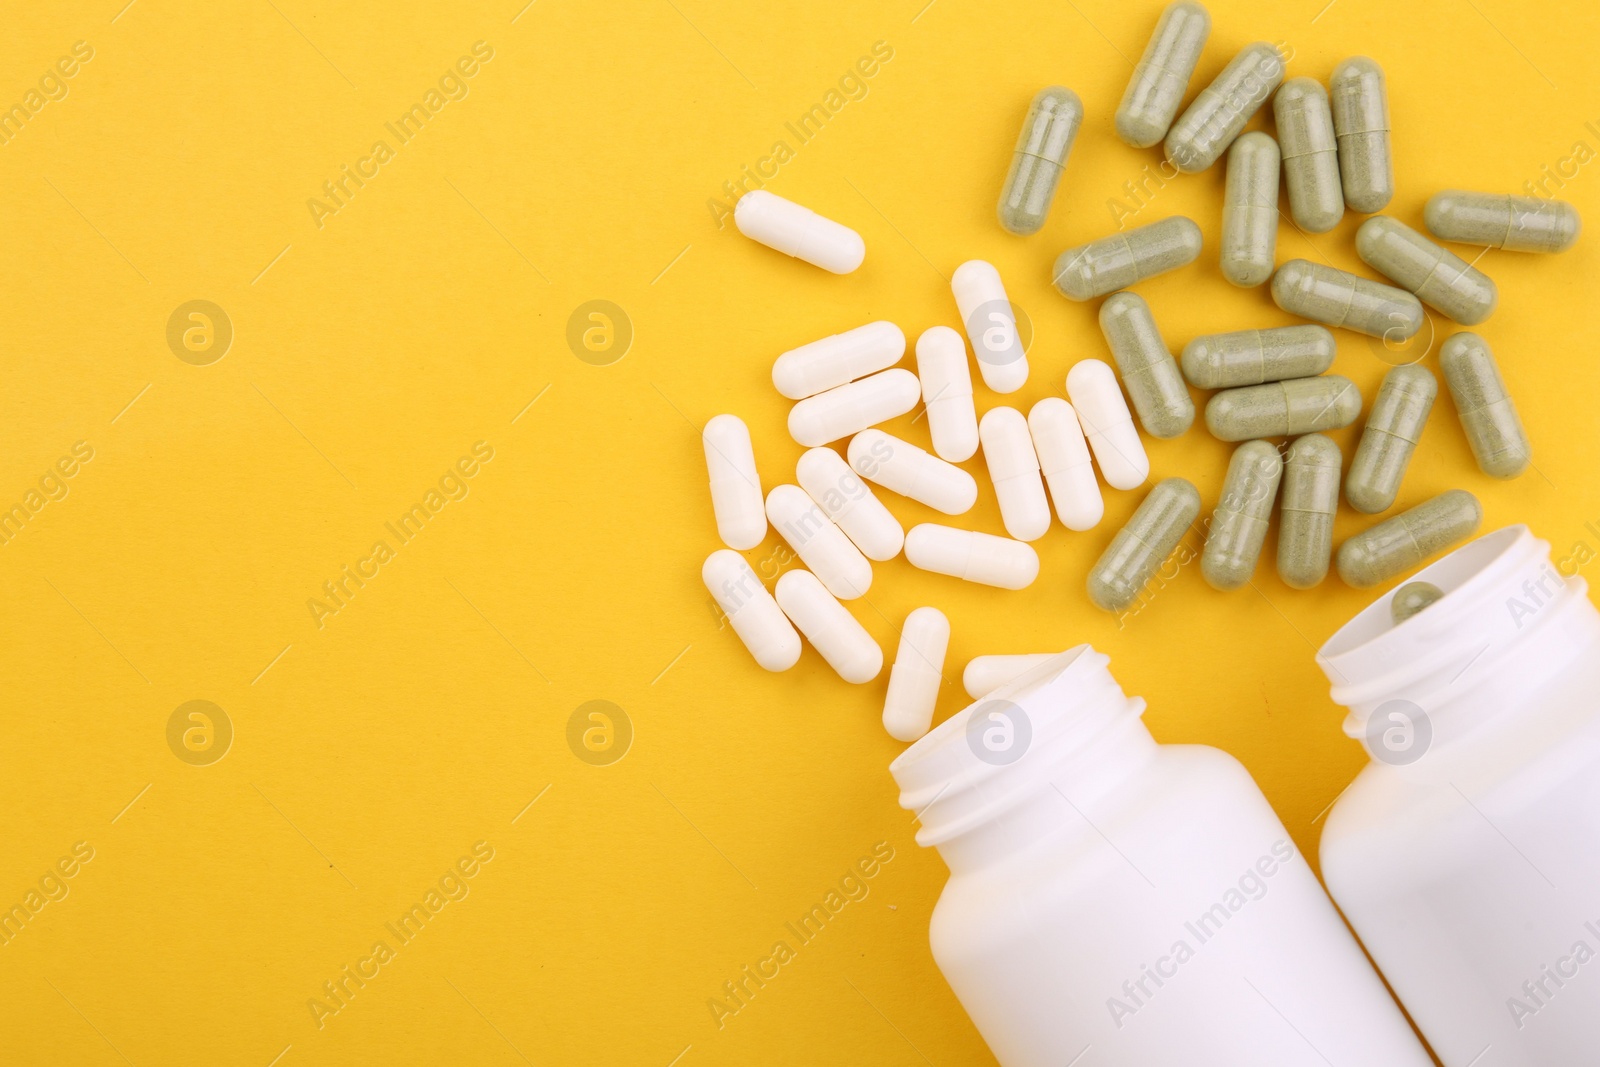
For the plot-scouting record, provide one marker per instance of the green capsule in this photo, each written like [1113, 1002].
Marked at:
[1222, 108]
[1398, 544]
[1116, 262]
[1499, 443]
[1239, 525]
[1283, 409]
[1250, 357]
[1144, 544]
[1040, 157]
[1515, 223]
[1250, 210]
[1310, 155]
[1439, 278]
[1162, 76]
[1339, 298]
[1393, 429]
[1149, 373]
[1361, 124]
[1305, 515]
[1411, 598]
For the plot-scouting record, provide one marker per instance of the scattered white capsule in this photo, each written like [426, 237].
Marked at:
[833, 361]
[798, 231]
[832, 630]
[845, 498]
[820, 544]
[751, 610]
[1014, 469]
[851, 408]
[972, 556]
[735, 485]
[1107, 423]
[1064, 459]
[901, 467]
[985, 674]
[917, 674]
[947, 393]
[991, 324]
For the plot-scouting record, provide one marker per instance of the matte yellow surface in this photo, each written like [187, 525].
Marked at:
[376, 745]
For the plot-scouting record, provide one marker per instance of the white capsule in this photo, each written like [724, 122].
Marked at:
[820, 544]
[821, 365]
[991, 325]
[1092, 387]
[973, 556]
[851, 408]
[985, 674]
[845, 498]
[947, 393]
[798, 231]
[917, 674]
[735, 485]
[832, 630]
[1014, 470]
[751, 610]
[1064, 460]
[901, 467]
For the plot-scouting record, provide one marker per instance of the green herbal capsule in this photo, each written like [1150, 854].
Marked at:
[1515, 223]
[1222, 108]
[1040, 157]
[1439, 278]
[1305, 515]
[1361, 124]
[1239, 525]
[1393, 429]
[1411, 598]
[1250, 357]
[1398, 544]
[1144, 544]
[1162, 76]
[1149, 373]
[1250, 210]
[1340, 298]
[1310, 155]
[1499, 443]
[1116, 262]
[1283, 409]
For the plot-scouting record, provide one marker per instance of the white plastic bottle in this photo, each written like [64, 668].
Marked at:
[1466, 854]
[1121, 903]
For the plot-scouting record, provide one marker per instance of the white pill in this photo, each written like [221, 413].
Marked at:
[798, 231]
[845, 498]
[991, 325]
[751, 610]
[901, 467]
[976, 557]
[735, 486]
[832, 630]
[820, 544]
[1014, 469]
[851, 408]
[833, 361]
[947, 393]
[985, 674]
[917, 674]
[1092, 387]
[1064, 459]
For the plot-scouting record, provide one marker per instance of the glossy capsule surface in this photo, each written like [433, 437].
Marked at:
[1140, 547]
[1048, 131]
[1239, 525]
[821, 545]
[1488, 417]
[1310, 155]
[1251, 357]
[1107, 424]
[917, 674]
[1221, 109]
[972, 556]
[1360, 104]
[947, 393]
[1118, 261]
[1515, 223]
[1396, 545]
[1064, 461]
[1162, 75]
[1339, 298]
[1309, 500]
[1438, 277]
[796, 230]
[1149, 373]
[1014, 471]
[1250, 210]
[851, 408]
[1413, 598]
[836, 635]
[1283, 409]
[833, 361]
[1390, 437]
[991, 324]
[751, 610]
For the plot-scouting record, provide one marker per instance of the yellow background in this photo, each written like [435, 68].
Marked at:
[370, 353]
